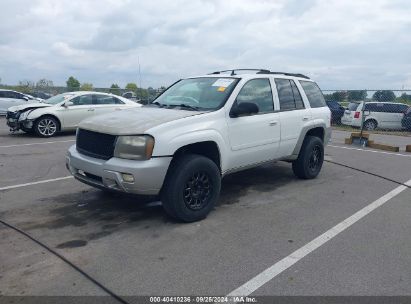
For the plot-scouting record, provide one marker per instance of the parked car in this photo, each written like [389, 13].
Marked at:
[382, 115]
[42, 95]
[9, 98]
[63, 112]
[406, 120]
[17, 95]
[199, 130]
[337, 111]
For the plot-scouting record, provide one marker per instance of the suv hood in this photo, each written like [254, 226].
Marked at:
[26, 106]
[133, 121]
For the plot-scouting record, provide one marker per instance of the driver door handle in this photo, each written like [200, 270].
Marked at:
[273, 123]
[305, 118]
[90, 109]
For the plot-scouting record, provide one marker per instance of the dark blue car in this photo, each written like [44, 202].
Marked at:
[406, 121]
[337, 111]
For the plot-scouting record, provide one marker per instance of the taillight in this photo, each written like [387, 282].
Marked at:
[357, 115]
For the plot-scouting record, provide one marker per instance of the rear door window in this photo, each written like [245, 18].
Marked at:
[106, 100]
[314, 94]
[287, 96]
[299, 104]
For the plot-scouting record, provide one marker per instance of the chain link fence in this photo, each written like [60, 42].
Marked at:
[375, 111]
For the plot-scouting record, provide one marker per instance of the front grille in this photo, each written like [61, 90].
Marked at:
[94, 144]
[14, 115]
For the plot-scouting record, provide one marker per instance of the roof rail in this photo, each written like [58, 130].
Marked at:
[234, 70]
[286, 74]
[260, 71]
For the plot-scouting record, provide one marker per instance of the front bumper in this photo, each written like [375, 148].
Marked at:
[15, 124]
[107, 174]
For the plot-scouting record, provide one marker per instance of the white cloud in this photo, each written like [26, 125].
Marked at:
[342, 44]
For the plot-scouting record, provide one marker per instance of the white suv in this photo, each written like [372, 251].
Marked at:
[199, 130]
[382, 115]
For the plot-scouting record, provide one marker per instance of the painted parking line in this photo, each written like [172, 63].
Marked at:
[36, 183]
[39, 143]
[368, 150]
[279, 267]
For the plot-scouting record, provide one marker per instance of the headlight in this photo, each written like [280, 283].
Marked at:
[134, 147]
[24, 115]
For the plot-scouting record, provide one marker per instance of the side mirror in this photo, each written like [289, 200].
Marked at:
[26, 98]
[243, 108]
[68, 103]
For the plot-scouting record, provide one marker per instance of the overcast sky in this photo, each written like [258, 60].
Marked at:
[343, 44]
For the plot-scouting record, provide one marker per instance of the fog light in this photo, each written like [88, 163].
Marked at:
[128, 178]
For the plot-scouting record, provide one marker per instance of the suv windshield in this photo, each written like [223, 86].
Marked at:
[205, 93]
[58, 98]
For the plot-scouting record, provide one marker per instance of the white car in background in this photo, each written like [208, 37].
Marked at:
[381, 115]
[63, 112]
[10, 98]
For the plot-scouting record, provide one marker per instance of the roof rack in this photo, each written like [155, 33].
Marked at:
[260, 71]
[286, 74]
[234, 70]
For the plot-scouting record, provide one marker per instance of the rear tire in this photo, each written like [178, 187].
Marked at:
[310, 159]
[46, 126]
[191, 188]
[370, 125]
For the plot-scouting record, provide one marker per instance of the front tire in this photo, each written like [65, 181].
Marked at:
[310, 160]
[46, 126]
[191, 188]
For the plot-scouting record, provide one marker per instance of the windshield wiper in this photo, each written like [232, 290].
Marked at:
[185, 106]
[155, 103]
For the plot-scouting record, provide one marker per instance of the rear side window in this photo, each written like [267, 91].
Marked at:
[105, 99]
[314, 94]
[288, 95]
[353, 106]
[299, 104]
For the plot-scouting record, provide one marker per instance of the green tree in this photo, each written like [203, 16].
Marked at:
[25, 86]
[115, 89]
[86, 86]
[384, 95]
[131, 86]
[405, 97]
[339, 96]
[72, 84]
[357, 95]
[44, 84]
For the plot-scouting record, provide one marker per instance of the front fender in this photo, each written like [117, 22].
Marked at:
[194, 137]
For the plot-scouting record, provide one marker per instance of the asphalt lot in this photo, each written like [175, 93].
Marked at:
[265, 214]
